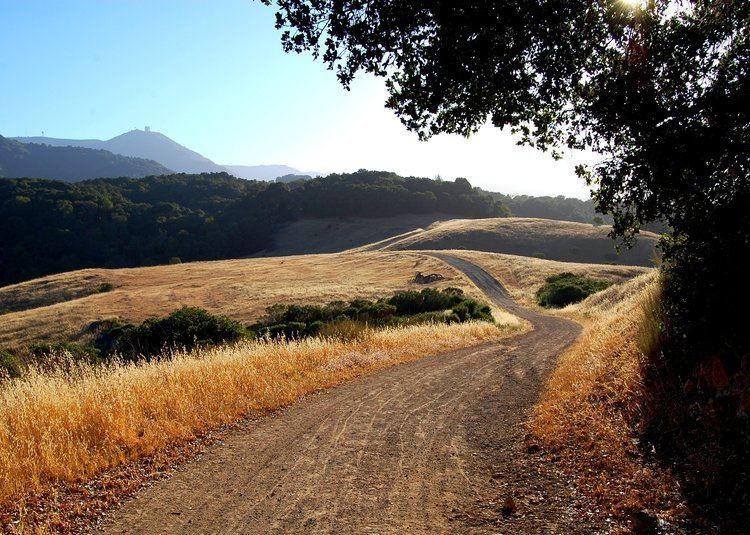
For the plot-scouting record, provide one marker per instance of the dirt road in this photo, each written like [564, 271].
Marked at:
[431, 446]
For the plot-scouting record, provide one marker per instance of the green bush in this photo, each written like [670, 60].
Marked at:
[469, 309]
[185, 328]
[10, 365]
[428, 300]
[79, 353]
[339, 319]
[566, 288]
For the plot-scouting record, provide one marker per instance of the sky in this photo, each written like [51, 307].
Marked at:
[212, 76]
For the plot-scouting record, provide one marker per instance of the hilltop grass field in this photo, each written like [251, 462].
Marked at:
[538, 238]
[65, 306]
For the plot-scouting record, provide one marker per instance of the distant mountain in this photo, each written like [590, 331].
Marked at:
[70, 163]
[141, 144]
[158, 147]
[266, 172]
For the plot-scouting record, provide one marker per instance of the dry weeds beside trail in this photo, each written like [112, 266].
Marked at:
[434, 445]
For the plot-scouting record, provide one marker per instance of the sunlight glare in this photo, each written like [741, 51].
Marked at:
[633, 4]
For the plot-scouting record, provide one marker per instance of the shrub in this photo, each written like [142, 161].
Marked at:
[419, 319]
[314, 328]
[105, 287]
[46, 352]
[427, 300]
[469, 309]
[566, 288]
[295, 329]
[368, 311]
[10, 365]
[185, 328]
[338, 319]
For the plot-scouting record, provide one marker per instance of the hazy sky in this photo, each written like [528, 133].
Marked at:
[212, 76]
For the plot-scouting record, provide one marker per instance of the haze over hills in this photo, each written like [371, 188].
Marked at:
[266, 172]
[141, 144]
[160, 148]
[69, 163]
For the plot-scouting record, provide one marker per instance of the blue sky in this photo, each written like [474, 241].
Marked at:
[212, 76]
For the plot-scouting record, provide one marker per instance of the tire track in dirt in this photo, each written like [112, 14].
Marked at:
[434, 445]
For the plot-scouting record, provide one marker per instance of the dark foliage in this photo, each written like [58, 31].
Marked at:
[185, 328]
[70, 163]
[560, 208]
[700, 378]
[49, 226]
[403, 308]
[427, 300]
[566, 288]
[10, 365]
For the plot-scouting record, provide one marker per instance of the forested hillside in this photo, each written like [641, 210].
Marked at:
[50, 226]
[563, 209]
[70, 163]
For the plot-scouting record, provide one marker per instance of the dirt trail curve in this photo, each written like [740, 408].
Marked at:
[432, 446]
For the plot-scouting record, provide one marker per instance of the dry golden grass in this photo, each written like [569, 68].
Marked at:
[595, 402]
[241, 289]
[523, 276]
[544, 238]
[70, 426]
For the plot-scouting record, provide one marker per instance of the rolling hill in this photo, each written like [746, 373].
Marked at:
[68, 305]
[68, 163]
[164, 150]
[336, 234]
[540, 238]
[65, 305]
[141, 144]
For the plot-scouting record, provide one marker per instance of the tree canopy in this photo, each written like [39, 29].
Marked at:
[49, 226]
[657, 87]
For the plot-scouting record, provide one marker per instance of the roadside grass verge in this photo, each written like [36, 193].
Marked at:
[68, 426]
[596, 403]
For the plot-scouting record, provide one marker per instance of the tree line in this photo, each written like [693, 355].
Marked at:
[50, 226]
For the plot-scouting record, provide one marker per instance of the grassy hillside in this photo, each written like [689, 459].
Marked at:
[523, 276]
[64, 306]
[92, 420]
[541, 238]
[597, 405]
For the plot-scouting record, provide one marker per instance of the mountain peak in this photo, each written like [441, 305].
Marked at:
[159, 147]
